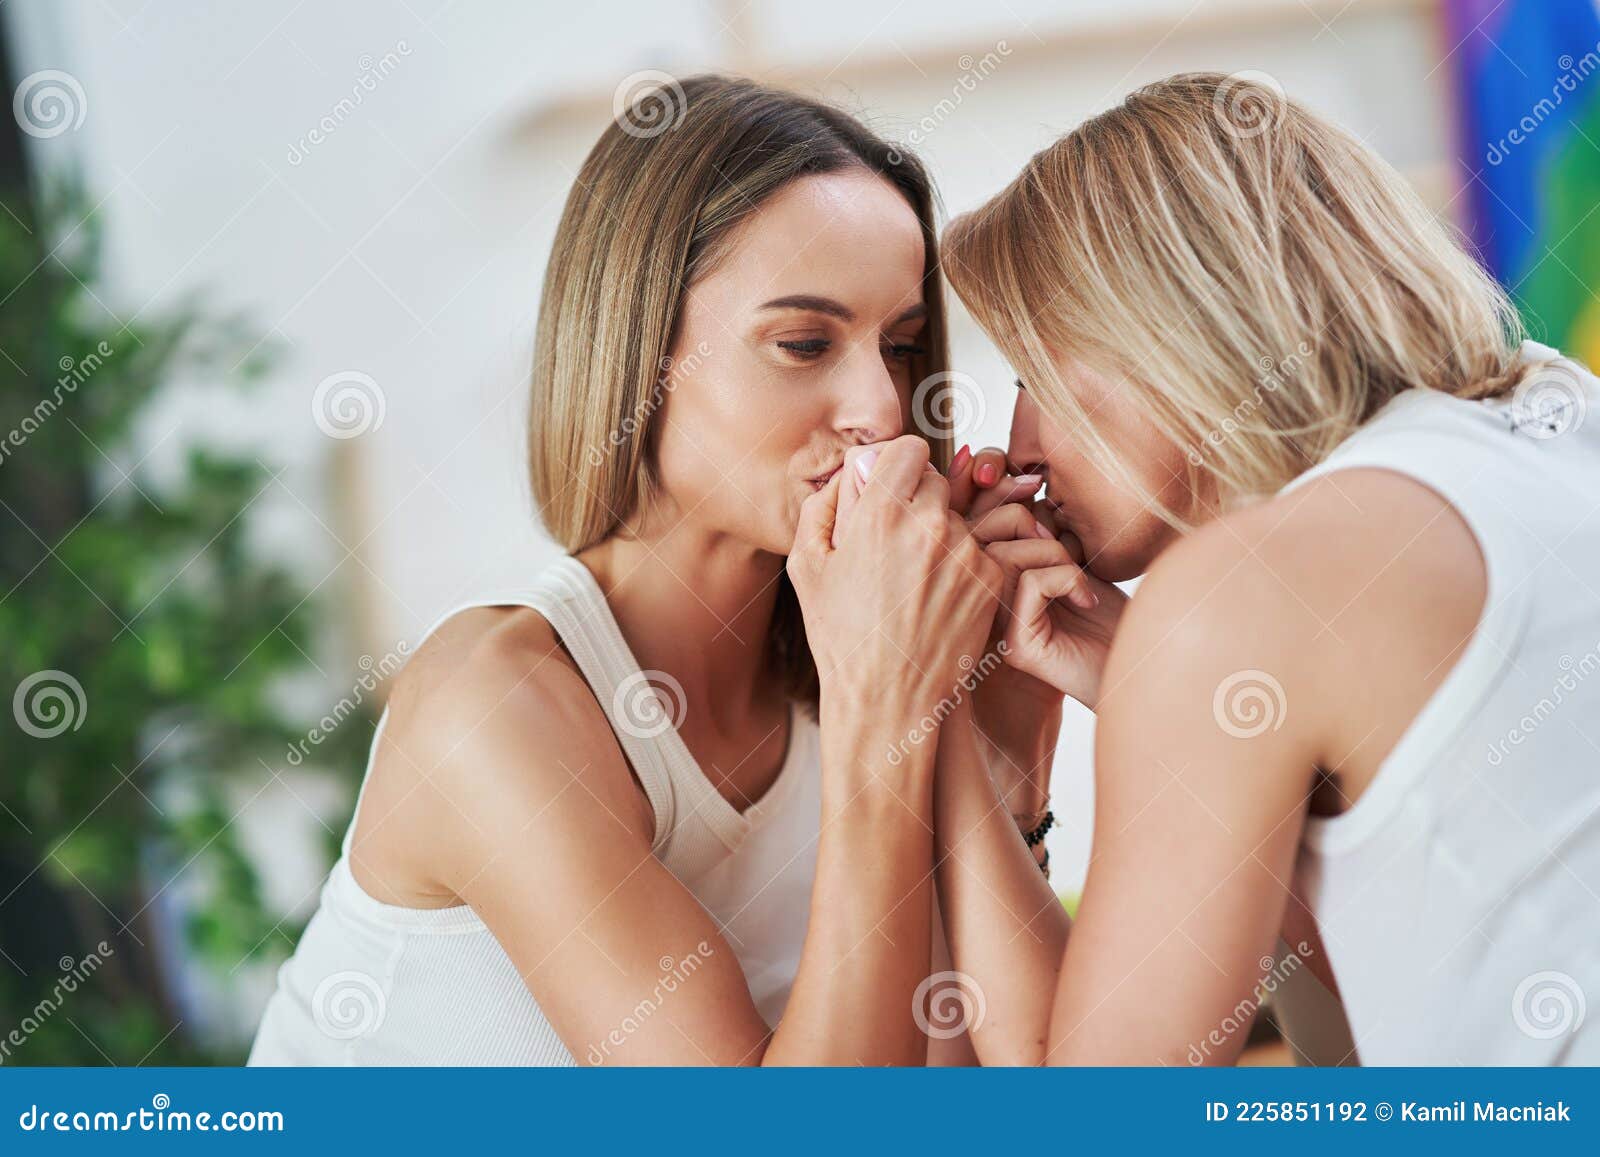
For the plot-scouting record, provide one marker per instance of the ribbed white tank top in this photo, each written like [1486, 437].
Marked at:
[375, 984]
[1458, 899]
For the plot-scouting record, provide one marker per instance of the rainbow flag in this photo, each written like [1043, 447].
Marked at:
[1528, 80]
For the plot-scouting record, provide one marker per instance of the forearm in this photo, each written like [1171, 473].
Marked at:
[867, 945]
[1006, 926]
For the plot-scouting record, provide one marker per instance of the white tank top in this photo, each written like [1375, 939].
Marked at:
[1458, 899]
[375, 984]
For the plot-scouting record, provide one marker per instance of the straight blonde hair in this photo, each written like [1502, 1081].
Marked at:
[654, 208]
[1256, 280]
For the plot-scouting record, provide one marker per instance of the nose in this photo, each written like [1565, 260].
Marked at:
[1024, 450]
[871, 406]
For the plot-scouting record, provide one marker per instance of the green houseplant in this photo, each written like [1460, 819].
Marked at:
[142, 641]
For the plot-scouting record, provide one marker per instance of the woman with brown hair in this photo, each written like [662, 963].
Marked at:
[640, 812]
[1350, 710]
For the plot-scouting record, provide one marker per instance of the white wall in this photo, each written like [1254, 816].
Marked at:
[408, 244]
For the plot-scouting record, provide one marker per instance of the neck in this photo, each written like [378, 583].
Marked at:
[697, 605]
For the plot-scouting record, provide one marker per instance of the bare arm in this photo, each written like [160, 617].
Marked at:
[1303, 634]
[546, 840]
[1006, 926]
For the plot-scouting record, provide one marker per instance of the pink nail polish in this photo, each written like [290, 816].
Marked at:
[1028, 480]
[1041, 531]
[987, 474]
[959, 462]
[864, 464]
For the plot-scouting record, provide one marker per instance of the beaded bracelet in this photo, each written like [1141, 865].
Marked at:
[1037, 833]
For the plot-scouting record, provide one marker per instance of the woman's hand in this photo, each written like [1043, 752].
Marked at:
[1062, 649]
[1058, 620]
[905, 596]
[1017, 714]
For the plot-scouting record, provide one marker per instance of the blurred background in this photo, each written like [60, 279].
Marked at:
[268, 276]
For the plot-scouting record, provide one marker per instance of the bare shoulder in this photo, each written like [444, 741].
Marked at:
[491, 723]
[1358, 590]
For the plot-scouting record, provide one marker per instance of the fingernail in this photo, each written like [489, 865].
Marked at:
[959, 462]
[1041, 531]
[1086, 600]
[864, 464]
[987, 474]
[1027, 480]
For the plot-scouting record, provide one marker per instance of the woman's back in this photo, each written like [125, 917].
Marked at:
[1466, 875]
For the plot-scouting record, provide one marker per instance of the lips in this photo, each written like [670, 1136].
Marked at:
[822, 480]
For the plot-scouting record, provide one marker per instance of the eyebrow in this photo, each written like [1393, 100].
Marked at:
[816, 304]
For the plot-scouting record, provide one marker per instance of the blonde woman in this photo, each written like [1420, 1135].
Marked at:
[638, 812]
[1350, 724]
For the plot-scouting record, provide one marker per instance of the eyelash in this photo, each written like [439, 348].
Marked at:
[816, 347]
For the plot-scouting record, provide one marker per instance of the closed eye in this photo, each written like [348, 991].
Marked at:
[810, 347]
[903, 351]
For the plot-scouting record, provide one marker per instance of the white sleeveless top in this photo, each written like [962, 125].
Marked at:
[1458, 899]
[375, 984]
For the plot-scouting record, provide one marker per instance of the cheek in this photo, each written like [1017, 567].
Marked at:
[726, 447]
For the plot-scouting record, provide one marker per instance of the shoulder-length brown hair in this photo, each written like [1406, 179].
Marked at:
[654, 208]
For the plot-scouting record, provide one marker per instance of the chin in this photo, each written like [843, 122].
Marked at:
[1127, 556]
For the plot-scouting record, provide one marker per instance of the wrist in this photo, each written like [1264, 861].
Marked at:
[1021, 755]
[872, 740]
